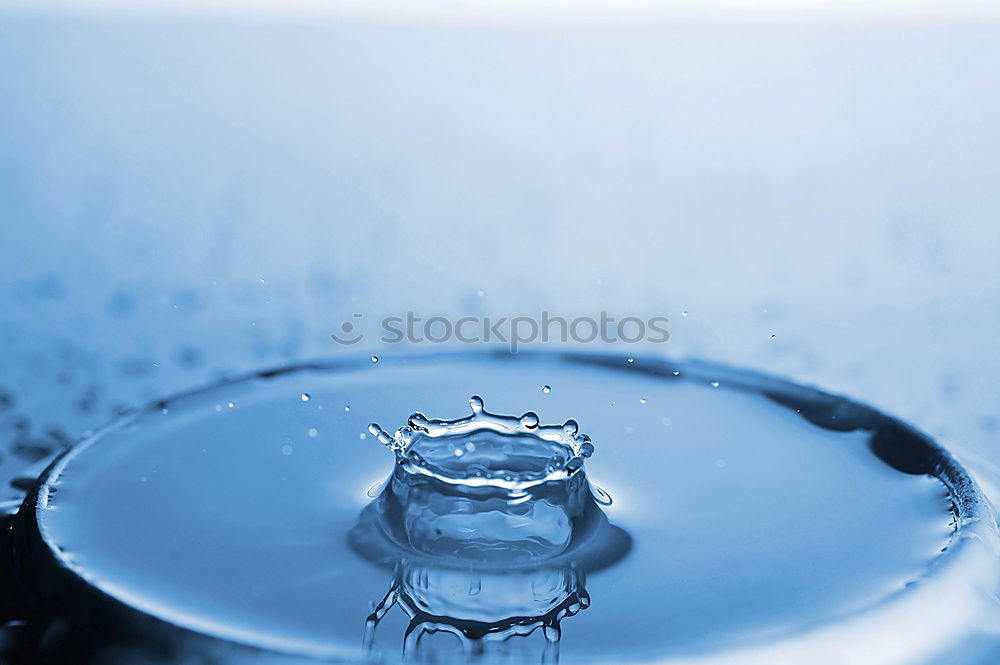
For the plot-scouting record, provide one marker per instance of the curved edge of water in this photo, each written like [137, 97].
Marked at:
[974, 542]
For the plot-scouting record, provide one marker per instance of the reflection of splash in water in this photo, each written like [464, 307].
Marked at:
[489, 524]
[484, 610]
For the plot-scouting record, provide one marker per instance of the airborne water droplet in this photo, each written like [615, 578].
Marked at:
[546, 389]
[304, 397]
[374, 359]
[715, 384]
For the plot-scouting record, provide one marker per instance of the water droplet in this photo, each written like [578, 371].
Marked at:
[530, 420]
[642, 400]
[630, 360]
[374, 359]
[772, 336]
[476, 402]
[676, 372]
[715, 384]
[286, 449]
[313, 432]
[362, 436]
[684, 313]
[304, 397]
[347, 409]
[570, 427]
[546, 389]
[231, 405]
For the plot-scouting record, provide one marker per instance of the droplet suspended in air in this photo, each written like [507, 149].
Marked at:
[546, 389]
[530, 420]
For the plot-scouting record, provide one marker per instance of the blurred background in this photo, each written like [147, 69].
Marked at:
[191, 191]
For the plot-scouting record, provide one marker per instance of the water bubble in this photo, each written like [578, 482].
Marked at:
[304, 397]
[374, 359]
[600, 495]
[546, 389]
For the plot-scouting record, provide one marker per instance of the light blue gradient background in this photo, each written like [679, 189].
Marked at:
[832, 182]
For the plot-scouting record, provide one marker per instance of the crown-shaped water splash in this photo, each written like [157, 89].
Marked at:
[417, 446]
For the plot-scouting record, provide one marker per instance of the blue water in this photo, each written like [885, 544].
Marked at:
[229, 511]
